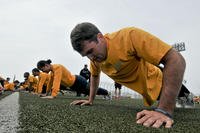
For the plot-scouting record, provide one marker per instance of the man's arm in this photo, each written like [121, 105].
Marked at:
[94, 83]
[174, 67]
[93, 89]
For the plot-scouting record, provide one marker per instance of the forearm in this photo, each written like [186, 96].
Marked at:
[172, 80]
[94, 83]
[40, 88]
[56, 82]
[30, 86]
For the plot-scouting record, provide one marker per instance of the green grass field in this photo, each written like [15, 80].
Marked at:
[115, 116]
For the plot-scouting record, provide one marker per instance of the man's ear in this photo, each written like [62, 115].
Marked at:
[99, 35]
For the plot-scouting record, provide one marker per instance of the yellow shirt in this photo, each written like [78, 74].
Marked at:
[33, 81]
[24, 85]
[131, 56]
[60, 75]
[43, 79]
[9, 86]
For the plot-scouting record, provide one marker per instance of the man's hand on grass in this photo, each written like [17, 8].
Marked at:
[81, 102]
[153, 119]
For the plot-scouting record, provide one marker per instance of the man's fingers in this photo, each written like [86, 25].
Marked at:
[153, 119]
[140, 114]
[80, 102]
[75, 102]
[149, 122]
[84, 103]
[169, 123]
[157, 124]
[72, 103]
[143, 119]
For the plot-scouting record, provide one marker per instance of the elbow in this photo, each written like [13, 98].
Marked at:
[182, 62]
[173, 58]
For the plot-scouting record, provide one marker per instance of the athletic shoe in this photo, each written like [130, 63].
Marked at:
[189, 102]
[180, 102]
[185, 102]
[108, 97]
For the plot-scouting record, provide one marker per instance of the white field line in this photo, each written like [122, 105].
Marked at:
[9, 108]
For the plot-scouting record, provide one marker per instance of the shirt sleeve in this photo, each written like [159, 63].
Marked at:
[50, 82]
[147, 46]
[56, 81]
[94, 68]
[42, 80]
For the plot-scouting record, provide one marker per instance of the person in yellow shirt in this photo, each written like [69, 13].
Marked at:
[7, 81]
[131, 57]
[24, 85]
[16, 84]
[7, 85]
[61, 78]
[43, 80]
[31, 82]
[11, 86]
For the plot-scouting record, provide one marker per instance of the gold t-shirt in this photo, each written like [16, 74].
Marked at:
[60, 76]
[132, 57]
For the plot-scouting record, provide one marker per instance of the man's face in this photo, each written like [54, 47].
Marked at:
[95, 51]
[26, 76]
[35, 73]
[46, 68]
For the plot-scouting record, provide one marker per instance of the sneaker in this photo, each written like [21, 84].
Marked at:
[180, 102]
[185, 102]
[108, 97]
[189, 102]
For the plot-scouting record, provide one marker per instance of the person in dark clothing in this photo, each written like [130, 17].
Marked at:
[118, 93]
[86, 74]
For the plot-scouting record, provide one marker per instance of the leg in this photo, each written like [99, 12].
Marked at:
[115, 92]
[184, 91]
[62, 87]
[80, 85]
[102, 91]
[44, 88]
[119, 93]
[185, 98]
[78, 94]
[105, 93]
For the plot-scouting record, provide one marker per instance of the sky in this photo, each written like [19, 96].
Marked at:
[33, 30]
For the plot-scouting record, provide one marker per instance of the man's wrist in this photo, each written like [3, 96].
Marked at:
[164, 112]
[90, 100]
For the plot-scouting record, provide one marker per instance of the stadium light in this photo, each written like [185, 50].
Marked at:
[179, 46]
